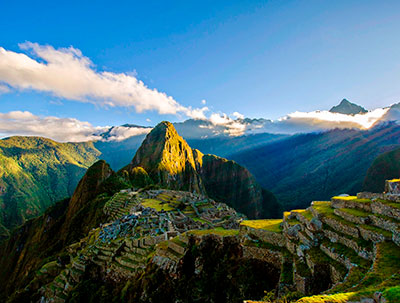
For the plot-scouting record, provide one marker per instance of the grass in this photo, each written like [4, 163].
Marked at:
[305, 213]
[336, 298]
[348, 252]
[156, 204]
[348, 198]
[360, 241]
[325, 209]
[273, 225]
[355, 212]
[215, 231]
[385, 233]
[292, 221]
[352, 198]
[389, 203]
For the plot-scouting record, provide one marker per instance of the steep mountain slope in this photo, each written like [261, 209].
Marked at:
[318, 165]
[61, 224]
[227, 181]
[35, 172]
[348, 108]
[171, 163]
[385, 167]
[168, 159]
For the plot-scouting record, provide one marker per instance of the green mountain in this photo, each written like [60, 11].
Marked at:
[385, 167]
[109, 243]
[348, 108]
[317, 166]
[35, 173]
[171, 163]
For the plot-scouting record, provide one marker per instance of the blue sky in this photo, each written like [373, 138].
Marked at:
[258, 58]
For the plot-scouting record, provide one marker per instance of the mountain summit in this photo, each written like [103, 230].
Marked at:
[348, 108]
[168, 159]
[171, 163]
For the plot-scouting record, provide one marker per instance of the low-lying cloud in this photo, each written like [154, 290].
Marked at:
[68, 74]
[119, 133]
[24, 123]
[297, 122]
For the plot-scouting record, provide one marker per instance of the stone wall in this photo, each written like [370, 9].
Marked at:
[273, 238]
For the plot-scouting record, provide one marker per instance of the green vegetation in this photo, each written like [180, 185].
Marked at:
[385, 167]
[273, 225]
[35, 173]
[156, 204]
[355, 212]
[215, 231]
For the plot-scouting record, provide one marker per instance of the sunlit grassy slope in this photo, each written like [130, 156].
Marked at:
[35, 172]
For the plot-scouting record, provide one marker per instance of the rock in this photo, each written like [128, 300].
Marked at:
[379, 298]
[316, 224]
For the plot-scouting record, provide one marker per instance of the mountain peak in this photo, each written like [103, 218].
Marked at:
[348, 108]
[168, 159]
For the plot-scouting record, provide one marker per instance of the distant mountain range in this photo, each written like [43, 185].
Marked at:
[344, 115]
[318, 165]
[36, 172]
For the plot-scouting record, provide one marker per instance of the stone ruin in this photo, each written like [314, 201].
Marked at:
[392, 187]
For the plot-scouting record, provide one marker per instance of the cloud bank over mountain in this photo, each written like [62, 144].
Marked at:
[73, 130]
[24, 123]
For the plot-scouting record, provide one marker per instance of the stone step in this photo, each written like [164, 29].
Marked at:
[386, 208]
[353, 215]
[374, 234]
[362, 247]
[343, 254]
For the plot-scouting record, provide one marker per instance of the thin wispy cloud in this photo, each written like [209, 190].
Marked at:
[68, 74]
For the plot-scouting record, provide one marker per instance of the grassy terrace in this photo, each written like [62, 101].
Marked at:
[325, 209]
[378, 230]
[292, 221]
[305, 213]
[355, 212]
[368, 245]
[348, 252]
[216, 231]
[384, 277]
[156, 204]
[273, 225]
[352, 198]
[389, 203]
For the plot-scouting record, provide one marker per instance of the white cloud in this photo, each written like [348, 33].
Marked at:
[323, 120]
[203, 101]
[238, 115]
[297, 122]
[148, 120]
[25, 123]
[120, 133]
[67, 73]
